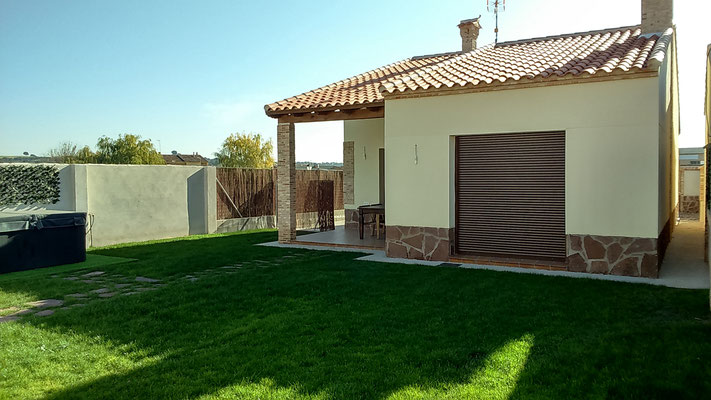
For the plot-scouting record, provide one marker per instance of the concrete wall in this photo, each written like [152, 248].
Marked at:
[367, 136]
[138, 202]
[668, 177]
[142, 202]
[691, 182]
[71, 198]
[612, 131]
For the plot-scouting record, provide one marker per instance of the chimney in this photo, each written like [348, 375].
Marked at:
[469, 30]
[657, 15]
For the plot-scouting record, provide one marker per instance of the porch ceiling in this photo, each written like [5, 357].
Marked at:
[339, 114]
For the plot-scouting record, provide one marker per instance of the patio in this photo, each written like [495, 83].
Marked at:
[341, 237]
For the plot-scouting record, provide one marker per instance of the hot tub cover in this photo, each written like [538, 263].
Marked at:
[22, 221]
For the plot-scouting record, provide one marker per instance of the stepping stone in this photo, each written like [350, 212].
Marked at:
[161, 284]
[145, 289]
[71, 278]
[65, 308]
[144, 279]
[106, 295]
[44, 313]
[121, 285]
[78, 305]
[21, 312]
[100, 291]
[9, 309]
[54, 276]
[76, 295]
[46, 303]
[95, 273]
[8, 318]
[89, 281]
[227, 267]
[129, 293]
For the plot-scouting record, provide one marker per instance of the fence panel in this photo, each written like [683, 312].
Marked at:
[253, 191]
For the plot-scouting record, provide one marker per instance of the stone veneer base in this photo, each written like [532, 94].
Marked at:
[690, 205]
[614, 255]
[419, 243]
[351, 218]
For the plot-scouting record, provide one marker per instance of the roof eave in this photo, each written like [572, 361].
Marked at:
[522, 84]
[273, 113]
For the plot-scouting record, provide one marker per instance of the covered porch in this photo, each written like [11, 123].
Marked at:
[363, 176]
[340, 237]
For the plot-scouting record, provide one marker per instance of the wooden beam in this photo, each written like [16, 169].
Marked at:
[336, 115]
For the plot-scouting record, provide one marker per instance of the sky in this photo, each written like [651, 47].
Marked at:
[186, 74]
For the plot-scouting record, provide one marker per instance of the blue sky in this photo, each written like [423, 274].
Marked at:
[188, 73]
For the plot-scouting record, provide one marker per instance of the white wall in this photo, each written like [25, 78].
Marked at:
[143, 202]
[67, 196]
[131, 203]
[368, 138]
[692, 183]
[612, 137]
[668, 137]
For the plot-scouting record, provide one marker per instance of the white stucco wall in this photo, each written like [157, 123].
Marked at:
[144, 202]
[367, 135]
[692, 183]
[612, 137]
[131, 203]
[668, 137]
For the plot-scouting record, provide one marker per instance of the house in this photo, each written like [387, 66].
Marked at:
[184, 159]
[692, 182]
[557, 152]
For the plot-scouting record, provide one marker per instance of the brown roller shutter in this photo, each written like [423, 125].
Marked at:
[510, 195]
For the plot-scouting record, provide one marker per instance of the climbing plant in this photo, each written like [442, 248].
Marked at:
[28, 184]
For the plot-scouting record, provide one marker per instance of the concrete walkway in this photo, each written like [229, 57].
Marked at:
[684, 265]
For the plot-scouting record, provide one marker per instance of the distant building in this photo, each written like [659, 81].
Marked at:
[185, 159]
[692, 183]
[691, 156]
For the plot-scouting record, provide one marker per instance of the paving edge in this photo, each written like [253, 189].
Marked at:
[379, 256]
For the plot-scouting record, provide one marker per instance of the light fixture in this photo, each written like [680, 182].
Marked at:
[365, 157]
[416, 154]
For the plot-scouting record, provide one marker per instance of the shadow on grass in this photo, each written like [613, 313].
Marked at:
[323, 324]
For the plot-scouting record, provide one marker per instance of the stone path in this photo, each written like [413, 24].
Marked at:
[117, 284]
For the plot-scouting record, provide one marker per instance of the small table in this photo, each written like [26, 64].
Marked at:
[375, 209]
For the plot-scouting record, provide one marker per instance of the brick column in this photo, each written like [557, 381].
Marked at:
[286, 182]
[351, 214]
[348, 173]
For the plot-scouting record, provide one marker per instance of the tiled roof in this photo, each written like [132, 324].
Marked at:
[615, 51]
[359, 90]
[183, 159]
[620, 51]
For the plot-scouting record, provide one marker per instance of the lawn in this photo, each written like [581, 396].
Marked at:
[291, 324]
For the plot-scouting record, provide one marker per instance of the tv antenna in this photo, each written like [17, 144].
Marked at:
[494, 5]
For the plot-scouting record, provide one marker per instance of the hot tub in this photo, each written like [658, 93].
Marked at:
[41, 239]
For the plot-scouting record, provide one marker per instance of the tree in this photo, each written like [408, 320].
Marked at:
[127, 149]
[68, 153]
[246, 151]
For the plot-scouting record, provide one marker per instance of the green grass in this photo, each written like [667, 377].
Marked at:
[322, 325]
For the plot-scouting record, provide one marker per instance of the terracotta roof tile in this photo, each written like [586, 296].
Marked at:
[611, 51]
